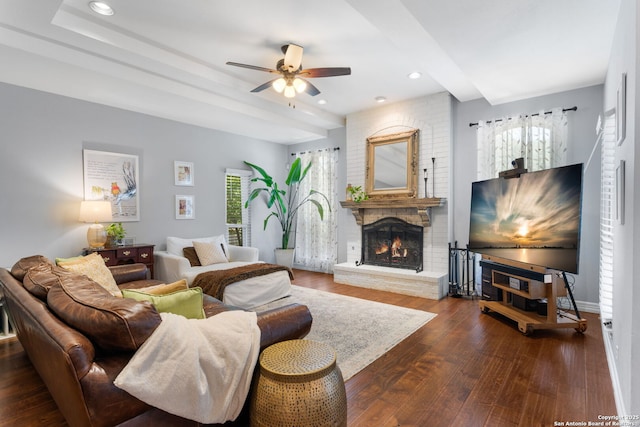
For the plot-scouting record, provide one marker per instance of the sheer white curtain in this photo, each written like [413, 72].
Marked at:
[316, 240]
[541, 139]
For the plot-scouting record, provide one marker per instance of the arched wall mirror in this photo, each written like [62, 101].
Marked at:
[392, 162]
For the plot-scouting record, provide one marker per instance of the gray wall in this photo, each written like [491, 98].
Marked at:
[624, 352]
[41, 171]
[582, 138]
[336, 138]
[41, 174]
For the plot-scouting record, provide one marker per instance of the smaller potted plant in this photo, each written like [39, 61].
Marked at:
[357, 194]
[115, 234]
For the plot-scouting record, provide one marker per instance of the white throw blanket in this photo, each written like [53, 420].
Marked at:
[196, 369]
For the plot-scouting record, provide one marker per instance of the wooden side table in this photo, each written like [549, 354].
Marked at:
[121, 255]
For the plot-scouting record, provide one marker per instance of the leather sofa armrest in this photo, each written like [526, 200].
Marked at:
[52, 346]
[243, 253]
[289, 322]
[128, 272]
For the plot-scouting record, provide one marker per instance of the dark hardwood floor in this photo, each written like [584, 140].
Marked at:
[463, 368]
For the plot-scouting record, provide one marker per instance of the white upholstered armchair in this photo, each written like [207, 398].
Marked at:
[172, 265]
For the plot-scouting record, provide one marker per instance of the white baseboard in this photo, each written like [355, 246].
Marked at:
[613, 370]
[589, 307]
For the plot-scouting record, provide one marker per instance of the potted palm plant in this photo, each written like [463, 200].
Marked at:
[284, 202]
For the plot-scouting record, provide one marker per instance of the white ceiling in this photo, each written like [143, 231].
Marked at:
[167, 57]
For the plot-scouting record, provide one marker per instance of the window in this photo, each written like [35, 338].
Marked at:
[607, 206]
[316, 239]
[237, 216]
[539, 138]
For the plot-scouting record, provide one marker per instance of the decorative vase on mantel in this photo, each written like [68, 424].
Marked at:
[284, 256]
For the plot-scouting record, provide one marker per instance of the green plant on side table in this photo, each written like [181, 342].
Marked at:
[285, 200]
[115, 234]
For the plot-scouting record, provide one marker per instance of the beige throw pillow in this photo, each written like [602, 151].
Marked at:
[209, 253]
[180, 285]
[175, 245]
[94, 268]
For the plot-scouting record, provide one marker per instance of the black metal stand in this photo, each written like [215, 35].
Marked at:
[462, 272]
[570, 293]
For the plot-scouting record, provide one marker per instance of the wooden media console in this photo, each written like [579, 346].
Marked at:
[531, 283]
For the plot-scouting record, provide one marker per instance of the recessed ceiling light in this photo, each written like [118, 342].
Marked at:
[101, 8]
[415, 75]
[322, 101]
[380, 99]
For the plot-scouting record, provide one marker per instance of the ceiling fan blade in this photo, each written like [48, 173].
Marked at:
[325, 72]
[311, 89]
[264, 86]
[252, 67]
[292, 56]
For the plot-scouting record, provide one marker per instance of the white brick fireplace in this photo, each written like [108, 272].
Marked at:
[432, 115]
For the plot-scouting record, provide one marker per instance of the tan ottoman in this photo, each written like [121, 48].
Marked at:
[299, 384]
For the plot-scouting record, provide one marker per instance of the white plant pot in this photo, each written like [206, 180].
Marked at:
[284, 257]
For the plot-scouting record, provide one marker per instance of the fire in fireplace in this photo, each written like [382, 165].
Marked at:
[392, 242]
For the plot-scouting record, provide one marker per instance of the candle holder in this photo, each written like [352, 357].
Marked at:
[425, 183]
[433, 181]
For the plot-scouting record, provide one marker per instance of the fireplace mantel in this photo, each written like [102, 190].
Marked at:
[422, 206]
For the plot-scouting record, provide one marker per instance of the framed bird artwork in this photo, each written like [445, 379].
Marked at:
[113, 177]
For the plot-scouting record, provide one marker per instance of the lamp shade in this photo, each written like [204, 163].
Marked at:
[289, 91]
[96, 211]
[299, 85]
[279, 84]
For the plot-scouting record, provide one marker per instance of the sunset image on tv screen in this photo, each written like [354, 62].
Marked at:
[534, 218]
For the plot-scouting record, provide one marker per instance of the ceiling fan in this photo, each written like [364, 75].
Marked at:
[292, 75]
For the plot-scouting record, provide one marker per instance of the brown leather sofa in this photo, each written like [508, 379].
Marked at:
[78, 367]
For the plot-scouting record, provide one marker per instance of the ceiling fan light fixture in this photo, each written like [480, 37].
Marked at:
[289, 91]
[289, 68]
[279, 84]
[299, 85]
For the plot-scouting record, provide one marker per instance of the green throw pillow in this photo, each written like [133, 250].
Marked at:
[187, 302]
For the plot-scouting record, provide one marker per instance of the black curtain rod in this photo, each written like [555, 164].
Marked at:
[535, 114]
[318, 150]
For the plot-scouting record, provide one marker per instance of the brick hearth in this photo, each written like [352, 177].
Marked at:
[407, 282]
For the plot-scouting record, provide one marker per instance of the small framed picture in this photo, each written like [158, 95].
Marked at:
[621, 110]
[129, 241]
[183, 173]
[185, 208]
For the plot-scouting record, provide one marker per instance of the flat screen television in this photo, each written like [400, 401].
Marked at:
[532, 219]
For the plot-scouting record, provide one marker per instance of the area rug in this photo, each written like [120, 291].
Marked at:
[359, 330]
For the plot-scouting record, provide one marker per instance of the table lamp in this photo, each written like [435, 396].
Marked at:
[96, 211]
